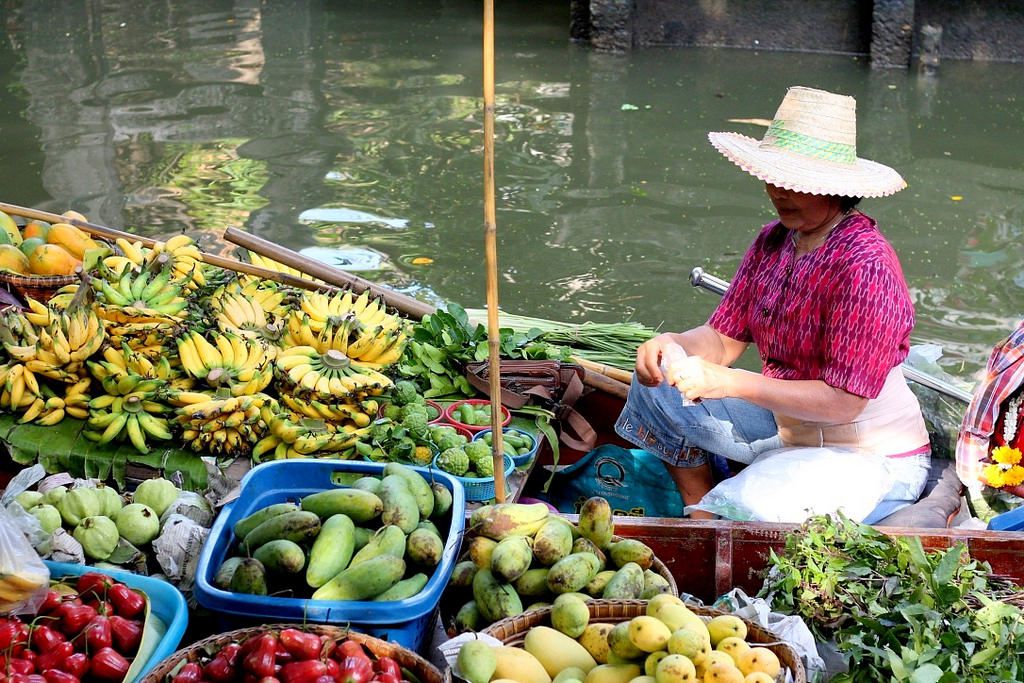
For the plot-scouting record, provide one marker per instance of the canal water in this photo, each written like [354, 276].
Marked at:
[352, 131]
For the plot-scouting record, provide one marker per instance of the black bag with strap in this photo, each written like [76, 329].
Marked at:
[550, 384]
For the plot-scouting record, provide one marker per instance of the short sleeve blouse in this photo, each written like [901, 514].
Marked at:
[841, 313]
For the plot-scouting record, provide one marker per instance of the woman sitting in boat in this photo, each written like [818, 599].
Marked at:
[821, 294]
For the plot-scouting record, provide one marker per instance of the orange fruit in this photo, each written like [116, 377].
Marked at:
[73, 240]
[11, 259]
[35, 229]
[50, 259]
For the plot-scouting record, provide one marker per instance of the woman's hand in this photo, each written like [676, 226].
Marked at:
[648, 358]
[696, 378]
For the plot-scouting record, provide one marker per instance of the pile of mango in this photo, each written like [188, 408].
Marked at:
[40, 248]
[373, 540]
[521, 555]
[668, 644]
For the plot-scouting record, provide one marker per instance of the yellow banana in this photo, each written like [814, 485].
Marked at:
[52, 417]
[226, 351]
[135, 434]
[208, 353]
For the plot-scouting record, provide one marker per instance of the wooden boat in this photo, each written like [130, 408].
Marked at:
[709, 558]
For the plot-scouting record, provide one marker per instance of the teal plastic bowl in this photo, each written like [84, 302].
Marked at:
[478, 489]
[517, 459]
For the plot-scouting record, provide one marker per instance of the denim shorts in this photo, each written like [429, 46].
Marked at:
[656, 420]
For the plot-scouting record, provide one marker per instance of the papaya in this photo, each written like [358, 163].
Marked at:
[35, 230]
[332, 550]
[10, 230]
[281, 557]
[73, 215]
[364, 581]
[12, 260]
[29, 245]
[70, 238]
[360, 506]
[51, 259]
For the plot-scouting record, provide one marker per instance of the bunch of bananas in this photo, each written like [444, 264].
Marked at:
[126, 361]
[270, 264]
[291, 436]
[23, 393]
[360, 414]
[242, 365]
[330, 376]
[251, 317]
[359, 327]
[131, 408]
[185, 258]
[225, 425]
[145, 296]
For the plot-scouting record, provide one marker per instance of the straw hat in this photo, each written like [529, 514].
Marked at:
[811, 146]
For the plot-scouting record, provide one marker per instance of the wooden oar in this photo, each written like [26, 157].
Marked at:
[402, 303]
[211, 259]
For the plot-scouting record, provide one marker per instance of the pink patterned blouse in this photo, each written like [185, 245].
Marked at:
[841, 313]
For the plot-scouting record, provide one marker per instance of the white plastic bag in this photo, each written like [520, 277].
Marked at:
[24, 579]
[792, 484]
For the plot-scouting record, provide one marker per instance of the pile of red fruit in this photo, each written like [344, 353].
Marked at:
[88, 631]
[292, 656]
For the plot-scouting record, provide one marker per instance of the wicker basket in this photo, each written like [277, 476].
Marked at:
[39, 287]
[423, 670]
[512, 631]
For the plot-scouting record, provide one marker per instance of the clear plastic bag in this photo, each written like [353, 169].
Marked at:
[792, 484]
[24, 579]
[673, 361]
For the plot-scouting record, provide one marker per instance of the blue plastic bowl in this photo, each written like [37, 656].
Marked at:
[165, 602]
[479, 488]
[517, 459]
[406, 622]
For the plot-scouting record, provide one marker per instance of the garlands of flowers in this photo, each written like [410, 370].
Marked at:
[1006, 469]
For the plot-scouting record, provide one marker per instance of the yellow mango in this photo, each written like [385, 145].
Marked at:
[557, 651]
[612, 673]
[519, 666]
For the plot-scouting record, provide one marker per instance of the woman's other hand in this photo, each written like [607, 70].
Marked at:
[648, 358]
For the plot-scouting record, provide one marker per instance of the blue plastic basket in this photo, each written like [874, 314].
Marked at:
[1008, 521]
[517, 459]
[165, 602]
[405, 622]
[479, 488]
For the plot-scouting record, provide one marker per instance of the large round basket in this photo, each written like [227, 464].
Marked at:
[38, 287]
[512, 631]
[424, 671]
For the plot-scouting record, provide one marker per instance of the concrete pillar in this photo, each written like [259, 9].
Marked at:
[579, 21]
[611, 24]
[892, 31]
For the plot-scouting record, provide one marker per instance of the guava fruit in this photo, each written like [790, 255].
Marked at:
[98, 536]
[157, 494]
[138, 524]
[48, 516]
[110, 501]
[78, 504]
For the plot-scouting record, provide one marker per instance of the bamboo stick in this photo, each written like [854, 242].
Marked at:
[211, 259]
[491, 254]
[403, 303]
[617, 374]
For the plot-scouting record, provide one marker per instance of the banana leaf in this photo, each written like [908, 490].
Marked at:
[63, 448]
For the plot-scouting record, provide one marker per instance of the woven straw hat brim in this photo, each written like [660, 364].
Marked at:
[798, 173]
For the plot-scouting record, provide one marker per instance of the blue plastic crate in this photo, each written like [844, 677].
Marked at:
[1008, 521]
[517, 459]
[405, 622]
[165, 602]
[480, 488]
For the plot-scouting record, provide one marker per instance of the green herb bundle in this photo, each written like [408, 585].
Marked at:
[443, 342]
[896, 611]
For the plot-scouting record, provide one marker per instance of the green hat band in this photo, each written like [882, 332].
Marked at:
[800, 143]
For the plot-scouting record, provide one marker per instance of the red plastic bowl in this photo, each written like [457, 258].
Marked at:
[449, 415]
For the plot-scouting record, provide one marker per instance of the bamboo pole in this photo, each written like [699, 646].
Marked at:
[491, 254]
[211, 259]
[615, 373]
[403, 303]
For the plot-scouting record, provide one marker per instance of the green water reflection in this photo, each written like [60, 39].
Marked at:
[357, 126]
